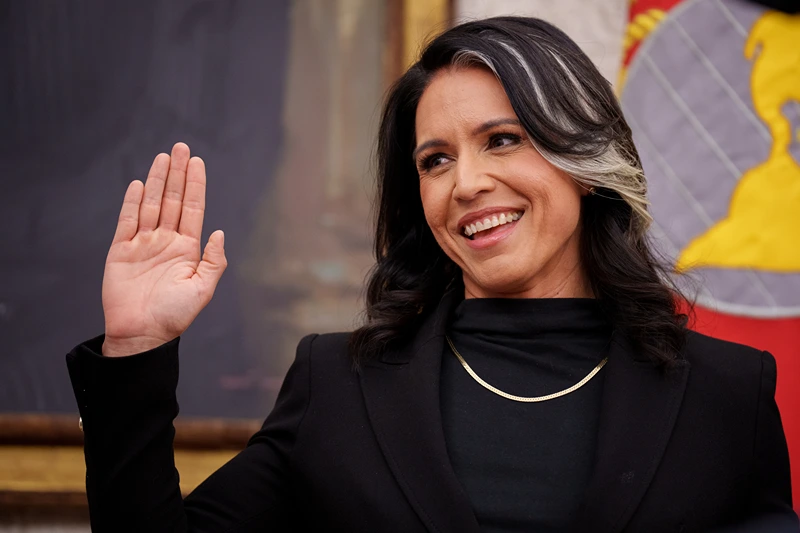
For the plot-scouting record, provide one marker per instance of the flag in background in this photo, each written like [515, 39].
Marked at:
[711, 89]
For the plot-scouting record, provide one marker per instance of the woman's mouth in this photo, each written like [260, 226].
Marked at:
[490, 225]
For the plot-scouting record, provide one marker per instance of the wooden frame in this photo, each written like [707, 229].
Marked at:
[41, 456]
[42, 466]
[64, 430]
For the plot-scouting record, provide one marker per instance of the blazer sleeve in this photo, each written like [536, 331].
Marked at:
[772, 483]
[128, 405]
[771, 495]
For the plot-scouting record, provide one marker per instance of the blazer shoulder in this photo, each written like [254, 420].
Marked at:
[329, 341]
[326, 350]
[700, 345]
[728, 364]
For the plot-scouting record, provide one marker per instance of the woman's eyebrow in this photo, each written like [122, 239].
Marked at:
[492, 123]
[427, 144]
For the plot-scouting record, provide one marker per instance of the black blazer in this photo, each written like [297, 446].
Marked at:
[700, 449]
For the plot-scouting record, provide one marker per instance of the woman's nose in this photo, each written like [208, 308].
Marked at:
[471, 179]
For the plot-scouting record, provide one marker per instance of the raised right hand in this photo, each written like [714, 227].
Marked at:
[155, 283]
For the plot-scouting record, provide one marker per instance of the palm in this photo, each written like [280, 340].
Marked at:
[151, 278]
[155, 283]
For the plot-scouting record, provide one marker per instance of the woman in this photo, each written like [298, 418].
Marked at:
[523, 366]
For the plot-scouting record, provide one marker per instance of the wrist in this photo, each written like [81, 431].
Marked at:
[123, 347]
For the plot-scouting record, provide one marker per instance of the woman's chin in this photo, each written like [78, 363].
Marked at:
[493, 284]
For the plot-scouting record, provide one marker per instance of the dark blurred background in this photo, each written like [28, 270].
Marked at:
[93, 90]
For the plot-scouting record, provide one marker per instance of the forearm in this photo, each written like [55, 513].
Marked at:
[128, 406]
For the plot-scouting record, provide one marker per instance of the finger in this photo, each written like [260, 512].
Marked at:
[214, 262]
[194, 201]
[153, 190]
[129, 214]
[173, 190]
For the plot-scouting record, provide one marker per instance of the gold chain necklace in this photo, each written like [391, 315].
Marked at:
[531, 399]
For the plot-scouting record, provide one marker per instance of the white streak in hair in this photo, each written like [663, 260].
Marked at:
[537, 89]
[582, 96]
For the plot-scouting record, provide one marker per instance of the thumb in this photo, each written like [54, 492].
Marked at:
[214, 262]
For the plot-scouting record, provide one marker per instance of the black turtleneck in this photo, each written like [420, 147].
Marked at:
[524, 466]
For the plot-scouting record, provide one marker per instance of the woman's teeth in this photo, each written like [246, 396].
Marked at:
[491, 222]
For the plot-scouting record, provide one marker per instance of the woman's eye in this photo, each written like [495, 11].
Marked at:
[433, 161]
[504, 139]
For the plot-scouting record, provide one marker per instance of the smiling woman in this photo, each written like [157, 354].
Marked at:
[523, 365]
[509, 116]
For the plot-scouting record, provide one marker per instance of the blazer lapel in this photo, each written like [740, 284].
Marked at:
[402, 397]
[639, 407]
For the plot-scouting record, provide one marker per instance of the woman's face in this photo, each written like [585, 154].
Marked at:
[497, 208]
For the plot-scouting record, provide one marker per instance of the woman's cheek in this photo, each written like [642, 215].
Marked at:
[434, 204]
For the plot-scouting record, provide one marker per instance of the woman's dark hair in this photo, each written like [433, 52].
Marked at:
[574, 120]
